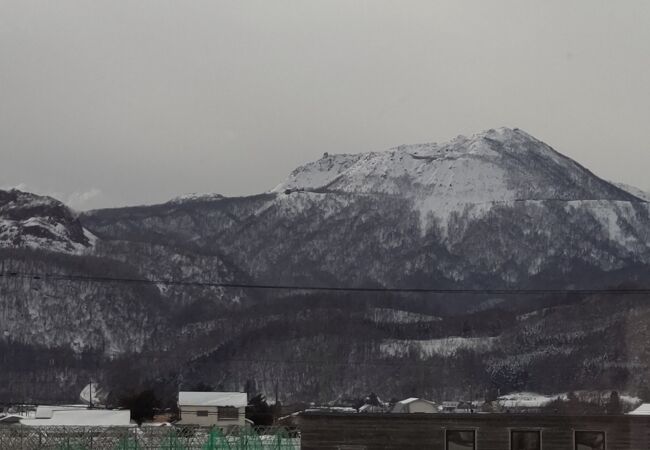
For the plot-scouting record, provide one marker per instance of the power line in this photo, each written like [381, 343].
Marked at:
[286, 287]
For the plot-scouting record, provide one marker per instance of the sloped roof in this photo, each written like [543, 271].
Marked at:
[11, 418]
[234, 399]
[643, 410]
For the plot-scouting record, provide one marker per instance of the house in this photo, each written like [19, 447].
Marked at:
[449, 407]
[414, 405]
[221, 409]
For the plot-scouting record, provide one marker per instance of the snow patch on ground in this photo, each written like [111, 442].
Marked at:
[436, 347]
[194, 197]
[388, 315]
[527, 400]
[534, 400]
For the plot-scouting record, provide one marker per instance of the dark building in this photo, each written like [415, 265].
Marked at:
[472, 432]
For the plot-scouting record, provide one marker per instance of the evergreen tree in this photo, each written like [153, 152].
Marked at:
[142, 405]
[614, 404]
[259, 411]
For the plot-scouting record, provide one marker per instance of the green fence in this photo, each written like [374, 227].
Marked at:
[147, 438]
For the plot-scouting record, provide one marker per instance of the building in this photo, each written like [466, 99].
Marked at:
[472, 432]
[221, 409]
[10, 419]
[78, 416]
[415, 405]
[449, 407]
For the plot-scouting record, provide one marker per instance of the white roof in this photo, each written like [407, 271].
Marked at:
[643, 410]
[235, 399]
[413, 399]
[46, 412]
[84, 417]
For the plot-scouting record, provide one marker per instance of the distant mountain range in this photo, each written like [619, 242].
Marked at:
[496, 210]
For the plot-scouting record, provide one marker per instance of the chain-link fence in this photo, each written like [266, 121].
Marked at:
[147, 438]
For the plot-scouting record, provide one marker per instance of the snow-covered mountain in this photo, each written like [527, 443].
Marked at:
[495, 210]
[32, 221]
[503, 167]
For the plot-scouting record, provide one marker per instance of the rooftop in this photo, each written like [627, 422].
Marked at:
[413, 399]
[234, 399]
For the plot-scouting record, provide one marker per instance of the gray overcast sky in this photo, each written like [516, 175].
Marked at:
[110, 102]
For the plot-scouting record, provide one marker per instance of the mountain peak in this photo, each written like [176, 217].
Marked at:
[496, 165]
[500, 134]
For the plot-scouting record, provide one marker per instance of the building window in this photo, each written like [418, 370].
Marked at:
[202, 413]
[590, 440]
[525, 440]
[460, 440]
[228, 413]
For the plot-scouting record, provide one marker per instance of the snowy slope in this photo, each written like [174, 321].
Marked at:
[643, 195]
